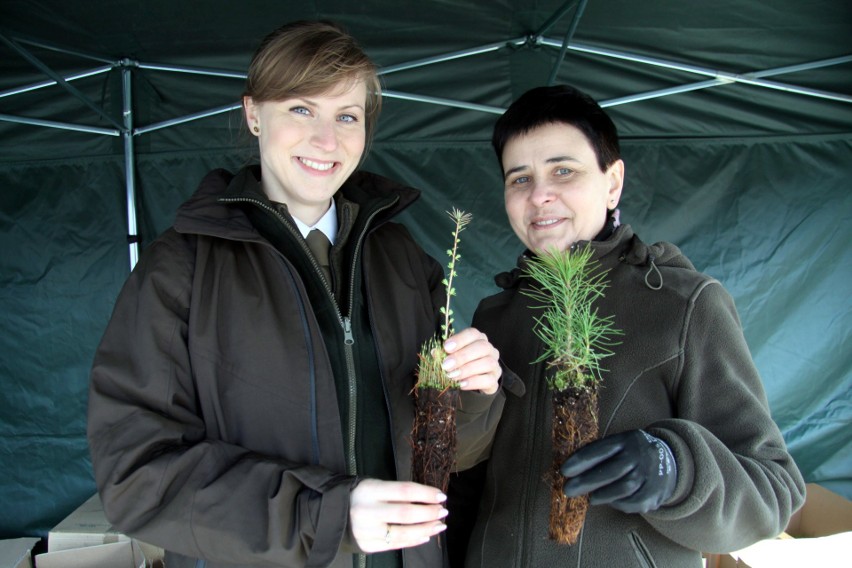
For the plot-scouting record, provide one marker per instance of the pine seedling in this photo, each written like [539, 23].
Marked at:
[575, 340]
[575, 337]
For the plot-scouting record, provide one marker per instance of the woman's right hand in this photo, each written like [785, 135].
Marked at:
[387, 515]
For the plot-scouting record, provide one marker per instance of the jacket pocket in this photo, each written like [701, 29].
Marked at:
[643, 555]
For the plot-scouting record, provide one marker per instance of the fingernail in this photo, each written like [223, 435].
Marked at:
[462, 384]
[448, 363]
[453, 374]
[439, 528]
[443, 513]
[449, 345]
[441, 497]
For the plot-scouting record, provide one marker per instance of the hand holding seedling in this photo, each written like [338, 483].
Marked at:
[387, 515]
[472, 361]
[632, 471]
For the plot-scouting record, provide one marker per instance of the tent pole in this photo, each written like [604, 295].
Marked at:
[188, 118]
[59, 80]
[442, 102]
[661, 93]
[721, 77]
[450, 56]
[129, 163]
[193, 70]
[716, 82]
[59, 125]
[69, 78]
[748, 80]
[556, 17]
[568, 35]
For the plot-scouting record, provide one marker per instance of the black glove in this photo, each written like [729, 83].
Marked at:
[632, 471]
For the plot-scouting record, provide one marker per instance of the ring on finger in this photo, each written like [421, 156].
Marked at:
[387, 535]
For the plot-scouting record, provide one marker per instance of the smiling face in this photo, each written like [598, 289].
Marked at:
[555, 191]
[309, 146]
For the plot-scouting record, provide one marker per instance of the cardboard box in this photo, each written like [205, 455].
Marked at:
[824, 513]
[124, 554]
[818, 535]
[17, 552]
[85, 526]
[85, 539]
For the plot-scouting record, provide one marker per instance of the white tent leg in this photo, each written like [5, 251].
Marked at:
[129, 165]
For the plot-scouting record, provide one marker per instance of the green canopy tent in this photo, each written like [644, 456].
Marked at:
[736, 124]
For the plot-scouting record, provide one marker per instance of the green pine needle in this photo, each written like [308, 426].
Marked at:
[575, 337]
[430, 374]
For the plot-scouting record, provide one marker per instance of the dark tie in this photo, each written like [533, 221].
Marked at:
[319, 245]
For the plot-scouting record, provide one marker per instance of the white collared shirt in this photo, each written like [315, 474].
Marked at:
[327, 224]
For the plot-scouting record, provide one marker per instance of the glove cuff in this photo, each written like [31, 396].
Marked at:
[666, 467]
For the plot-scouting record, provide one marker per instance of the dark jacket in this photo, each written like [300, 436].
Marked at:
[214, 419]
[682, 371]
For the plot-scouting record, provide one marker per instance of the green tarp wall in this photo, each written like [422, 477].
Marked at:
[752, 182]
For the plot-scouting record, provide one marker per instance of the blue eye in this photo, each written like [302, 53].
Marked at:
[564, 171]
[521, 179]
[300, 110]
[350, 118]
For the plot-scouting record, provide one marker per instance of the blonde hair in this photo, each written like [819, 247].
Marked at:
[309, 58]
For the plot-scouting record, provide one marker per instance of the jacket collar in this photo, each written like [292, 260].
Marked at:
[622, 246]
[208, 211]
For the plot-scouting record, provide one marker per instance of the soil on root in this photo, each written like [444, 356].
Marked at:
[434, 436]
[575, 424]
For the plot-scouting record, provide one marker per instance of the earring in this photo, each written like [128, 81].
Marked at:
[256, 129]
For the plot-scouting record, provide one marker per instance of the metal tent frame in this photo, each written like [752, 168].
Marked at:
[128, 131]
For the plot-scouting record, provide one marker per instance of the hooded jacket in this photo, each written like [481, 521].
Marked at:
[682, 372]
[215, 421]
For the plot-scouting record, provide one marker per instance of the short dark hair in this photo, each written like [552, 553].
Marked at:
[559, 104]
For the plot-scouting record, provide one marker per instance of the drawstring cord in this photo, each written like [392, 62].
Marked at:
[653, 268]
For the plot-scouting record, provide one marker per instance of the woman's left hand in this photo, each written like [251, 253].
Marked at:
[472, 361]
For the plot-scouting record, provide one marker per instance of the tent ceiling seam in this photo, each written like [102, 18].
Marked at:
[52, 47]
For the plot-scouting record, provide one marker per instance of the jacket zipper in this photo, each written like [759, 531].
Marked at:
[349, 352]
[349, 341]
[532, 480]
[345, 324]
[539, 396]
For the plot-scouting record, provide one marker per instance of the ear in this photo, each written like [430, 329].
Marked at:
[615, 174]
[252, 115]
